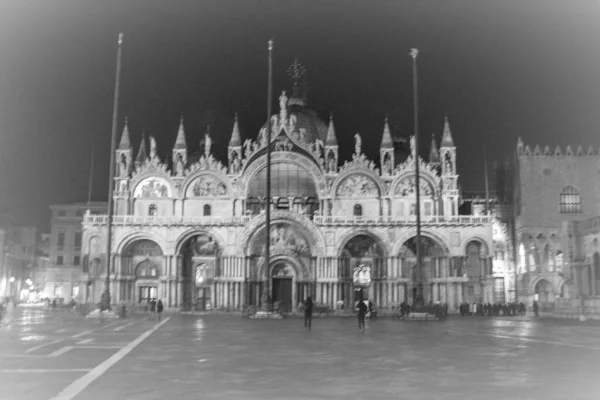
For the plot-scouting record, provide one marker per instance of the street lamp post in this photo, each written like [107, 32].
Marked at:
[105, 299]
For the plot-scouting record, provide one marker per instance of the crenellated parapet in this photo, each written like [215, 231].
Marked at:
[524, 150]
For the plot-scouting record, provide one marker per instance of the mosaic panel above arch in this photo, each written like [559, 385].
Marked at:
[153, 187]
[285, 238]
[206, 186]
[147, 270]
[357, 185]
[143, 247]
[406, 187]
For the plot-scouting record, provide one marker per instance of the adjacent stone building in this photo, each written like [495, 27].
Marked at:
[192, 231]
[62, 272]
[545, 193]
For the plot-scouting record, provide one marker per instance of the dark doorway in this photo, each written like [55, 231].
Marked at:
[145, 294]
[203, 298]
[282, 291]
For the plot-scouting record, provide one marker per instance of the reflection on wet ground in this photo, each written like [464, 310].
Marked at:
[470, 358]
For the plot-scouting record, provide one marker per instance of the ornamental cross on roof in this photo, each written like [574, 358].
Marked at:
[296, 70]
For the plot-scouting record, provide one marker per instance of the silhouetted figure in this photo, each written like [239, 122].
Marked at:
[536, 309]
[362, 311]
[159, 308]
[308, 309]
[152, 308]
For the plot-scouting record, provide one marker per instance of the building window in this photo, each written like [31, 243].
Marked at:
[61, 239]
[78, 240]
[428, 207]
[413, 209]
[79, 213]
[59, 260]
[76, 260]
[357, 210]
[570, 201]
[62, 213]
[152, 210]
[207, 210]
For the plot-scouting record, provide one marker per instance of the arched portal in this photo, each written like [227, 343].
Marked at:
[544, 294]
[434, 264]
[363, 259]
[291, 249]
[142, 264]
[197, 264]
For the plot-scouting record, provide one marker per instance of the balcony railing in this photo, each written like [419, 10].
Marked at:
[171, 220]
[432, 220]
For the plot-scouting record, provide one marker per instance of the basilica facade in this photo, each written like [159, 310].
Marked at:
[192, 231]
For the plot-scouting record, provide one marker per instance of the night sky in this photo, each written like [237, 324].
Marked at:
[500, 69]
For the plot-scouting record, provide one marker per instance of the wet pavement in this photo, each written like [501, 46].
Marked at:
[44, 353]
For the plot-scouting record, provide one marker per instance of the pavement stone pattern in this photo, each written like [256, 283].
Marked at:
[231, 357]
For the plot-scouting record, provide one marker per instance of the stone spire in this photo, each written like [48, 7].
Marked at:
[235, 140]
[125, 143]
[447, 140]
[142, 154]
[434, 155]
[386, 140]
[180, 142]
[331, 140]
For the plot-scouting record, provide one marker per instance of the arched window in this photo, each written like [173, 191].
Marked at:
[570, 201]
[357, 210]
[207, 210]
[152, 210]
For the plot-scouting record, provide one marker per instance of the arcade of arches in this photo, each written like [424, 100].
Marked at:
[202, 277]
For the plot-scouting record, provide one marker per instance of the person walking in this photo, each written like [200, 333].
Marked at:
[152, 308]
[308, 309]
[159, 309]
[362, 311]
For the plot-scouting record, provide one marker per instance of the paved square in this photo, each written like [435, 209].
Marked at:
[232, 357]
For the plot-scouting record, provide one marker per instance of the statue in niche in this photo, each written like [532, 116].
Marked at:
[248, 148]
[152, 147]
[179, 165]
[387, 164]
[448, 163]
[319, 147]
[302, 134]
[122, 186]
[357, 144]
[207, 145]
[235, 162]
[283, 100]
[331, 167]
[123, 165]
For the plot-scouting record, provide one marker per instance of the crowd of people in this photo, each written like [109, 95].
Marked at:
[492, 310]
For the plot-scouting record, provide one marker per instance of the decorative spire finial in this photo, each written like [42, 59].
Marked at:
[331, 140]
[386, 139]
[235, 140]
[180, 142]
[125, 141]
[447, 140]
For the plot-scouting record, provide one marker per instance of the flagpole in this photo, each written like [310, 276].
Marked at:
[91, 178]
[105, 301]
[413, 53]
[266, 291]
[487, 187]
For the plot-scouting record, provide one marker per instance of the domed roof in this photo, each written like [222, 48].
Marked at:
[307, 119]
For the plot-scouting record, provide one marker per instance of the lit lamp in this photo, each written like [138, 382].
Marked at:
[11, 279]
